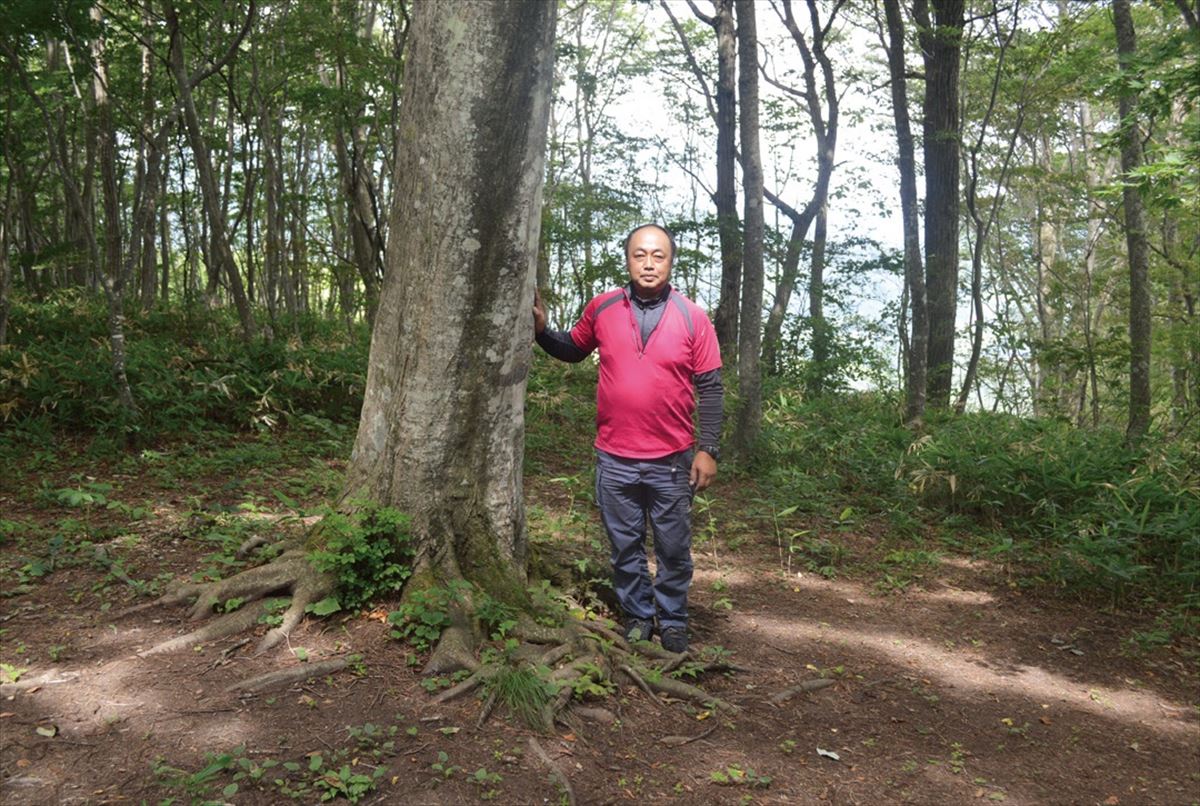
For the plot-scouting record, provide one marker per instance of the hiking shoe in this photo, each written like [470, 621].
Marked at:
[675, 639]
[637, 629]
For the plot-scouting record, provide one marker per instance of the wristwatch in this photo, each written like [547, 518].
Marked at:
[712, 450]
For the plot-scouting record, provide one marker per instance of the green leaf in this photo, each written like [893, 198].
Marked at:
[230, 790]
[324, 607]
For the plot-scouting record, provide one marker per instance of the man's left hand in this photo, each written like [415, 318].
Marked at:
[704, 470]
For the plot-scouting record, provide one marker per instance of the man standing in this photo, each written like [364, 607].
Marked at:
[657, 350]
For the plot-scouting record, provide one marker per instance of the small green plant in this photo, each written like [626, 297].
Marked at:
[481, 777]
[273, 612]
[958, 758]
[346, 783]
[421, 619]
[733, 775]
[10, 673]
[788, 746]
[368, 551]
[497, 617]
[592, 682]
[443, 767]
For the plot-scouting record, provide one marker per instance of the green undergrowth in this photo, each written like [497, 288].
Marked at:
[188, 369]
[1069, 507]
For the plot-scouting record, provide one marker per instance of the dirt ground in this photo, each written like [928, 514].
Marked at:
[957, 687]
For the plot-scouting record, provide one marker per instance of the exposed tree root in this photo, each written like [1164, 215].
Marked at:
[488, 705]
[594, 714]
[686, 691]
[251, 543]
[226, 625]
[290, 572]
[455, 650]
[637, 678]
[804, 688]
[557, 774]
[680, 741]
[47, 679]
[285, 677]
[478, 678]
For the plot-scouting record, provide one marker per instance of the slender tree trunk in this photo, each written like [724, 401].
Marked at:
[914, 272]
[789, 270]
[822, 336]
[1135, 232]
[981, 225]
[221, 252]
[725, 317]
[749, 412]
[113, 276]
[823, 109]
[164, 232]
[355, 176]
[5, 266]
[441, 435]
[299, 234]
[152, 146]
[940, 43]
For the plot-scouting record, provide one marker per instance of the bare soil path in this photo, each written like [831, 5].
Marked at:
[957, 686]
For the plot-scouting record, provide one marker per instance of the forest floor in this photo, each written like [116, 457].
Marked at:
[948, 682]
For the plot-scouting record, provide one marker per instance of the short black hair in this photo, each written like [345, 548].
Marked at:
[670, 237]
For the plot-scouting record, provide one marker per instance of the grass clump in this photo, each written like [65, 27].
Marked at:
[524, 691]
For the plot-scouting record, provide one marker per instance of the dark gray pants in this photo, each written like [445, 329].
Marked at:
[628, 492]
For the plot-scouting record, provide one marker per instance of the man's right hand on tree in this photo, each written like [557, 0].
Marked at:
[539, 312]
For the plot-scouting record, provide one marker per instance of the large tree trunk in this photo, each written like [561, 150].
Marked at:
[442, 430]
[941, 40]
[914, 272]
[1135, 235]
[749, 413]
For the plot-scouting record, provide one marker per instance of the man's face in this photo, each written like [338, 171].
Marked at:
[648, 258]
